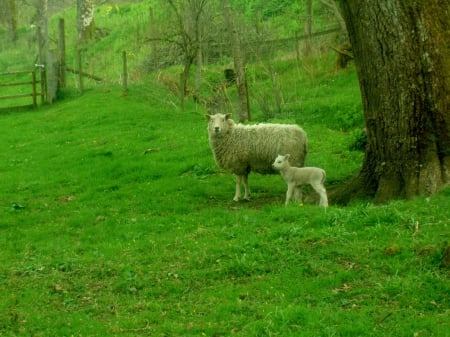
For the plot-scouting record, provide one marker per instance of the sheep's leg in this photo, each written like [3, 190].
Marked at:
[247, 188]
[289, 193]
[322, 193]
[237, 194]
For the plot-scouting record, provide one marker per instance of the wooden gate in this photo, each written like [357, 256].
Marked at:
[21, 87]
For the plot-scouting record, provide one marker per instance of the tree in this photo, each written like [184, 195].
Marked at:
[402, 56]
[41, 7]
[308, 28]
[188, 36]
[8, 14]
[239, 64]
[46, 58]
[85, 20]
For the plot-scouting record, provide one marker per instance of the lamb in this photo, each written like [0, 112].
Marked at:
[295, 177]
[240, 149]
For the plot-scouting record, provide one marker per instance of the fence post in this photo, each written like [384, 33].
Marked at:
[80, 71]
[125, 72]
[33, 85]
[62, 55]
[43, 81]
[182, 90]
[297, 48]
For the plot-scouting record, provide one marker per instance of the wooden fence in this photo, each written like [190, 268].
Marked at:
[30, 84]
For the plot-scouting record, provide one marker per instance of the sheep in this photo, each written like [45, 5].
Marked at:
[295, 177]
[240, 149]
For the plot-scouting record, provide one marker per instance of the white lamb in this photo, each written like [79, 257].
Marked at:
[239, 148]
[295, 177]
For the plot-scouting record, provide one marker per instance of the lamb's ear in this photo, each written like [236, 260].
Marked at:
[227, 116]
[207, 117]
[286, 156]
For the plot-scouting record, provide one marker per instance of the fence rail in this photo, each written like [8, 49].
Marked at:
[33, 83]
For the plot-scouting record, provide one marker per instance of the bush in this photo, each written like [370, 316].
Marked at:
[358, 140]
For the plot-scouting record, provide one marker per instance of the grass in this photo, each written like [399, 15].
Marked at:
[116, 222]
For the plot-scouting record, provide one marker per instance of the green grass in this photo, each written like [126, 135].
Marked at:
[116, 222]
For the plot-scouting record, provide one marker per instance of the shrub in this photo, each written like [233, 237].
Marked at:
[357, 140]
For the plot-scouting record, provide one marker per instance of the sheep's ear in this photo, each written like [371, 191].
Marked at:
[227, 116]
[286, 156]
[207, 117]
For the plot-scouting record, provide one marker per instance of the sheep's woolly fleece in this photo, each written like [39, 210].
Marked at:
[240, 148]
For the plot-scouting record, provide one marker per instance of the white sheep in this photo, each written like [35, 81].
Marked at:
[295, 177]
[239, 148]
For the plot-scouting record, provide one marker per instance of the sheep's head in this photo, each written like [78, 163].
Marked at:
[281, 162]
[219, 123]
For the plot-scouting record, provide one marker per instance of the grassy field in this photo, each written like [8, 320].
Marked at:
[116, 222]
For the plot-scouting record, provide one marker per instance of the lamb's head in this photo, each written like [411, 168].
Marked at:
[219, 124]
[281, 162]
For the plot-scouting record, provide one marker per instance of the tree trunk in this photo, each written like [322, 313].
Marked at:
[198, 72]
[12, 18]
[42, 31]
[308, 28]
[184, 76]
[402, 55]
[85, 18]
[239, 64]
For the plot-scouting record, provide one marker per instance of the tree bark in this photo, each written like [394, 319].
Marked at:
[402, 56]
[12, 20]
[85, 18]
[42, 31]
[308, 28]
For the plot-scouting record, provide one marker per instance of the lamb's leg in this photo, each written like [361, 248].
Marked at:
[298, 193]
[237, 194]
[289, 193]
[247, 188]
[322, 193]
[324, 199]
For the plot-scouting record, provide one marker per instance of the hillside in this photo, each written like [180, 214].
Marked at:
[133, 27]
[116, 222]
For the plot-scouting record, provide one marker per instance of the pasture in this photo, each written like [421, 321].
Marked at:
[116, 222]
